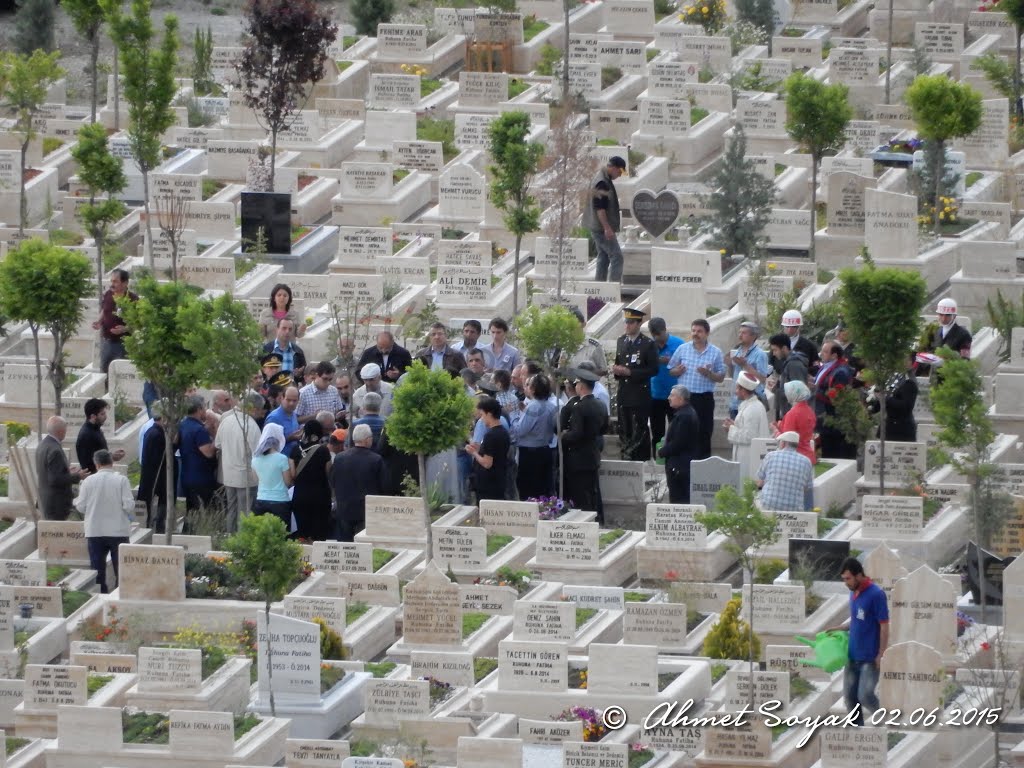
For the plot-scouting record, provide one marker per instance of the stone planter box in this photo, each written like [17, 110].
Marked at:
[18, 541]
[353, 83]
[693, 682]
[615, 566]
[320, 720]
[263, 745]
[621, 94]
[42, 723]
[852, 20]
[692, 564]
[314, 202]
[442, 56]
[407, 197]
[29, 756]
[333, 147]
[941, 540]
[836, 486]
[833, 611]
[226, 690]
[483, 642]
[40, 192]
[690, 153]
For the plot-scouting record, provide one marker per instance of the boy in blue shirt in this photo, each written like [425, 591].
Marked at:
[869, 637]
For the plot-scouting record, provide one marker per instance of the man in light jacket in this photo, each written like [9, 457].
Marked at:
[106, 501]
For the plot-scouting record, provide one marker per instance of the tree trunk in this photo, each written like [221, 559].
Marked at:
[940, 166]
[515, 277]
[421, 459]
[815, 162]
[57, 371]
[94, 59]
[39, 381]
[888, 56]
[98, 236]
[273, 155]
[23, 200]
[170, 518]
[977, 537]
[270, 660]
[565, 58]
[173, 237]
[750, 635]
[117, 90]
[881, 444]
[148, 260]
[1019, 103]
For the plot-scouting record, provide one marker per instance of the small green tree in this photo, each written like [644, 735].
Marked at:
[149, 85]
[285, 54]
[431, 412]
[943, 109]
[742, 201]
[1014, 9]
[262, 554]
[159, 323]
[959, 408]
[1004, 315]
[881, 309]
[42, 285]
[202, 62]
[87, 17]
[367, 14]
[730, 637]
[24, 81]
[226, 342]
[515, 161]
[102, 174]
[750, 532]
[816, 118]
[33, 26]
[549, 335]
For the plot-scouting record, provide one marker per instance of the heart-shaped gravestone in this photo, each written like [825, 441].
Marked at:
[656, 213]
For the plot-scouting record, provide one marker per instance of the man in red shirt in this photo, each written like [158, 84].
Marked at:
[111, 326]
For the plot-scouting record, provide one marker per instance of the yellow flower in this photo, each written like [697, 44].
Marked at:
[722, 251]
[704, 9]
[691, 11]
[942, 216]
[772, 265]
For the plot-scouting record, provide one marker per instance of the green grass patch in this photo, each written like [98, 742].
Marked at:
[211, 187]
[73, 599]
[780, 169]
[398, 244]
[651, 53]
[608, 538]
[13, 744]
[51, 144]
[892, 739]
[697, 114]
[398, 174]
[822, 467]
[812, 602]
[665, 679]
[55, 573]
[639, 757]
[516, 87]
[5, 524]
[21, 636]
[380, 668]
[482, 667]
[429, 85]
[532, 26]
[299, 231]
[636, 597]
[718, 671]
[243, 266]
[64, 238]
[431, 129]
[354, 610]
[348, 41]
[330, 676]
[711, 311]
[798, 687]
[472, 621]
[607, 143]
[134, 472]
[972, 178]
[497, 542]
[792, 32]
[694, 619]
[825, 525]
[382, 557]
[583, 615]
[610, 76]
[768, 570]
[94, 682]
[343, 65]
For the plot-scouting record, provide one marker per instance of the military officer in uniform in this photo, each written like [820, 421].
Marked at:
[583, 421]
[590, 350]
[636, 362]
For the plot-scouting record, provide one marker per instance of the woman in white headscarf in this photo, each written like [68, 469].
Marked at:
[275, 475]
[800, 418]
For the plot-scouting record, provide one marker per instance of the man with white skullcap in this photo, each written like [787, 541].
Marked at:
[372, 382]
[320, 394]
[786, 477]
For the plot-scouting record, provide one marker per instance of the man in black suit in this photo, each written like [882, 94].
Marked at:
[584, 420]
[53, 472]
[950, 333]
[792, 322]
[392, 358]
[357, 472]
[636, 362]
[681, 446]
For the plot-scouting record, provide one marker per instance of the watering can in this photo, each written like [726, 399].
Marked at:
[830, 650]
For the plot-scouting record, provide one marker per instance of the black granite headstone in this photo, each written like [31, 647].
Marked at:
[992, 567]
[655, 213]
[271, 212]
[823, 556]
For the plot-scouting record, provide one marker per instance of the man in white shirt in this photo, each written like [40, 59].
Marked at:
[236, 440]
[371, 376]
[106, 501]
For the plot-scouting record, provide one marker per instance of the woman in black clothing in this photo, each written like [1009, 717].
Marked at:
[900, 397]
[311, 498]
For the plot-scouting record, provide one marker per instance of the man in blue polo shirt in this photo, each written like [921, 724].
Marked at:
[661, 384]
[869, 637]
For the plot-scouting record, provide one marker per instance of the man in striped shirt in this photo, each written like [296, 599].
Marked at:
[699, 366]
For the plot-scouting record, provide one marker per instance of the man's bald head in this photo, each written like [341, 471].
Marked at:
[56, 427]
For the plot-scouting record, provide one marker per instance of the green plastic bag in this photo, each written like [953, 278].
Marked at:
[657, 450]
[831, 650]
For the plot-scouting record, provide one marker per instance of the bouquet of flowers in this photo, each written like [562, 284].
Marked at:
[551, 507]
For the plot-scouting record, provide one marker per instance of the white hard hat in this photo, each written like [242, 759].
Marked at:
[946, 306]
[792, 317]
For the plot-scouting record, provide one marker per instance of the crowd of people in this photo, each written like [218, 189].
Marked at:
[309, 442]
